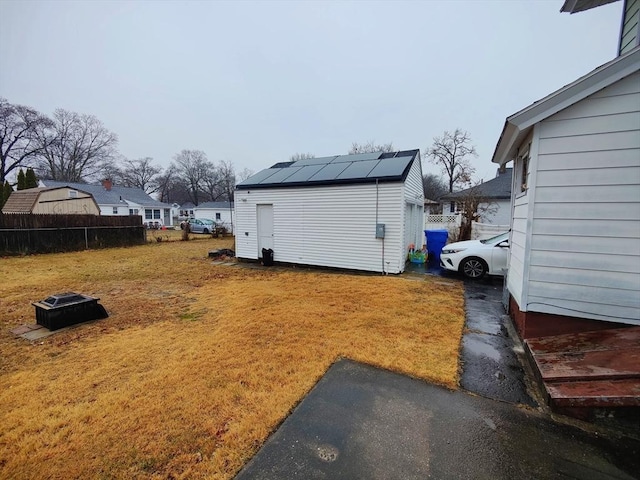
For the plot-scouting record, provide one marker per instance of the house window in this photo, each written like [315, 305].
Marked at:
[73, 194]
[115, 210]
[522, 173]
[452, 207]
[217, 215]
[156, 214]
[148, 214]
[133, 211]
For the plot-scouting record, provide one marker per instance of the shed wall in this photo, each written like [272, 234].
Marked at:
[58, 202]
[331, 226]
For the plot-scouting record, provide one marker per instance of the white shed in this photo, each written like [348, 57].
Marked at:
[575, 242]
[357, 212]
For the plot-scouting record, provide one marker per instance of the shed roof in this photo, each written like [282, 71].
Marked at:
[497, 188]
[517, 126]
[117, 195]
[335, 170]
[22, 201]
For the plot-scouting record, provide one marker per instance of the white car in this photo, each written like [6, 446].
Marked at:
[475, 258]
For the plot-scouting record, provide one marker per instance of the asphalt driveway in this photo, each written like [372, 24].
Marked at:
[360, 422]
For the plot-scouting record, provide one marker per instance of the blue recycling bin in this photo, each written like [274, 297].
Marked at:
[436, 240]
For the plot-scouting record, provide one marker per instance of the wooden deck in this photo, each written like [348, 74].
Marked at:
[589, 370]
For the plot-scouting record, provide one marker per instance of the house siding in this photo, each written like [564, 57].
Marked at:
[499, 212]
[518, 248]
[630, 30]
[226, 215]
[413, 220]
[584, 253]
[331, 226]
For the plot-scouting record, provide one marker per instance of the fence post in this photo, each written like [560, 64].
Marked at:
[86, 238]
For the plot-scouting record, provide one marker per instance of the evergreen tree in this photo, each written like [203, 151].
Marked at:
[4, 194]
[22, 180]
[30, 178]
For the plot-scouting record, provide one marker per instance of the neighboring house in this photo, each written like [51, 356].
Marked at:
[497, 193]
[116, 200]
[221, 212]
[358, 212]
[575, 242]
[432, 207]
[52, 200]
[186, 211]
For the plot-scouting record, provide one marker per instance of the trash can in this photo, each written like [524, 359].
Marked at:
[267, 257]
[436, 240]
[65, 309]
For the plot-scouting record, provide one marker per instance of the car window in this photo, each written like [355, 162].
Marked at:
[496, 239]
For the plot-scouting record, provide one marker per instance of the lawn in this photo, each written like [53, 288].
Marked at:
[197, 363]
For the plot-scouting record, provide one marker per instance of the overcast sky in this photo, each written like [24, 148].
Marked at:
[255, 82]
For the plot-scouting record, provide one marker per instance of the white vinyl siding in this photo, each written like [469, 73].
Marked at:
[331, 226]
[498, 213]
[630, 31]
[584, 253]
[220, 215]
[414, 196]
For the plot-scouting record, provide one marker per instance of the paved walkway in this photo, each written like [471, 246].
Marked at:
[360, 422]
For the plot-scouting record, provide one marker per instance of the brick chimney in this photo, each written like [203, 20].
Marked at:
[107, 184]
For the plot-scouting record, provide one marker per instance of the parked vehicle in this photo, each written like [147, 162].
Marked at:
[476, 258]
[201, 225]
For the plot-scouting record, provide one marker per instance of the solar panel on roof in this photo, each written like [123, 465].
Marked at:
[390, 167]
[303, 174]
[329, 172]
[358, 169]
[260, 176]
[314, 161]
[280, 175]
[357, 157]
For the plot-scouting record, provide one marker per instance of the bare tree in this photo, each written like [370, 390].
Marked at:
[140, 173]
[194, 167]
[75, 148]
[433, 186]
[227, 180]
[212, 183]
[472, 205]
[301, 156]
[170, 186]
[243, 174]
[18, 136]
[370, 147]
[451, 153]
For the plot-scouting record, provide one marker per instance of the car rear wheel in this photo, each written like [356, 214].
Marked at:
[473, 268]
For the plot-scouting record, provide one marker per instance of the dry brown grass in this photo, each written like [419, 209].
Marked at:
[197, 363]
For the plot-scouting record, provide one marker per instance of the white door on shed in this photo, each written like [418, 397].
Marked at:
[265, 228]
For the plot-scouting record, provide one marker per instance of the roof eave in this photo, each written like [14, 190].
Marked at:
[518, 125]
[576, 6]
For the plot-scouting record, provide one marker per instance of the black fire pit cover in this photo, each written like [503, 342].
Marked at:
[65, 309]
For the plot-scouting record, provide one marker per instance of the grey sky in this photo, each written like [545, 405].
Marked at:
[254, 82]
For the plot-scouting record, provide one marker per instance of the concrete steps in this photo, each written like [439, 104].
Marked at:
[589, 370]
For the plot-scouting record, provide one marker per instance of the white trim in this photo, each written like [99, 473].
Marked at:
[517, 126]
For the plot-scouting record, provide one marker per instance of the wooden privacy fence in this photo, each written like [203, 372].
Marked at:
[27, 233]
